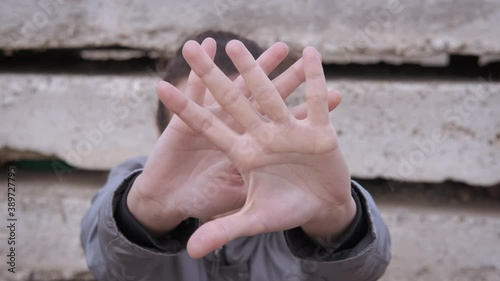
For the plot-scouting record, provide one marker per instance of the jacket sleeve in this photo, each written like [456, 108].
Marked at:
[109, 254]
[365, 261]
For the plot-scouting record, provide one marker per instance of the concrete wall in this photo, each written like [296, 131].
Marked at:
[417, 129]
[408, 118]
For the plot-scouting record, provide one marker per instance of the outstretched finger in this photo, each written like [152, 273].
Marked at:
[199, 119]
[316, 90]
[268, 61]
[195, 88]
[257, 81]
[288, 81]
[222, 88]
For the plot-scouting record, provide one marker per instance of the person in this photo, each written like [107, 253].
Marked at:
[238, 186]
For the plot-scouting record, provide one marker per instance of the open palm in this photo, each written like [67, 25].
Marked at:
[291, 166]
[189, 176]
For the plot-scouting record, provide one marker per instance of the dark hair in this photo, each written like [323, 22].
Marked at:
[177, 68]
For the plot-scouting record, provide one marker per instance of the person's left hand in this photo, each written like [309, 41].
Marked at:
[294, 169]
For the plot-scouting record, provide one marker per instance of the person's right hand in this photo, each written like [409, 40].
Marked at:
[185, 176]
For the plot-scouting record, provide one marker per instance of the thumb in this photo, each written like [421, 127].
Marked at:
[215, 234]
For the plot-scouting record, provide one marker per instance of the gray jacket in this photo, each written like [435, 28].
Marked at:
[111, 256]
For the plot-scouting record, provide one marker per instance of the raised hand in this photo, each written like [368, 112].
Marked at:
[293, 167]
[185, 175]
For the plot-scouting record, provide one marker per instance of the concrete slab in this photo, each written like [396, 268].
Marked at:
[440, 244]
[48, 212]
[393, 31]
[422, 131]
[92, 122]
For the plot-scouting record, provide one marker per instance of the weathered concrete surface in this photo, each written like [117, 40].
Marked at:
[420, 131]
[433, 244]
[412, 131]
[92, 122]
[49, 212]
[440, 231]
[429, 242]
[344, 31]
